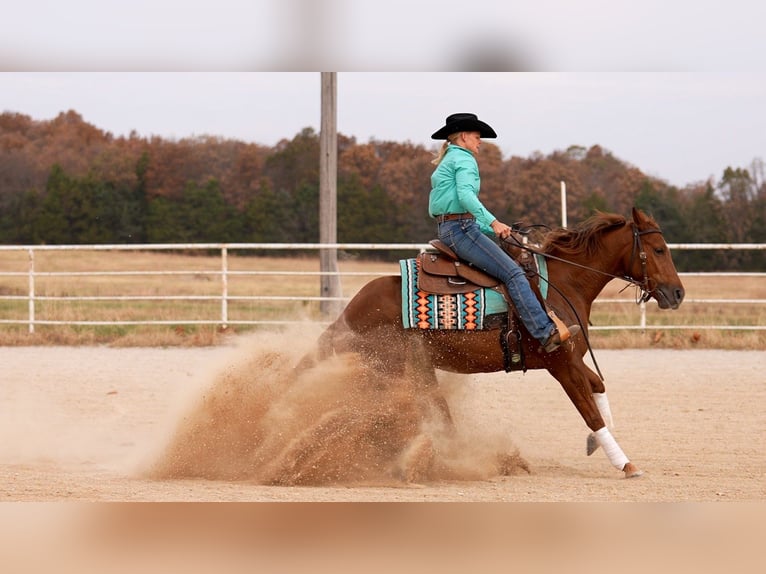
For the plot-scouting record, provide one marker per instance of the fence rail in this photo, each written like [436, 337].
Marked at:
[225, 298]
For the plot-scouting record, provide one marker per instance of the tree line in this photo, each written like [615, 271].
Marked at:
[65, 181]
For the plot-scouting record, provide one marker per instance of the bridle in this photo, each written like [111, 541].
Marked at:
[644, 287]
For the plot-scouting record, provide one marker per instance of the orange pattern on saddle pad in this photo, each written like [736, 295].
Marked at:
[471, 312]
[447, 311]
[422, 309]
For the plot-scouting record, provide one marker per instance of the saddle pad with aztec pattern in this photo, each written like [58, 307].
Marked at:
[421, 310]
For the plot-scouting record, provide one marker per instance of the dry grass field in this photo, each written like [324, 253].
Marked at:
[62, 274]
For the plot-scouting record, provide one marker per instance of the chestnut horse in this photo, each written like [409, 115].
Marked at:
[580, 262]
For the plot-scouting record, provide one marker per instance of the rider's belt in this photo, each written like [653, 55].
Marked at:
[453, 216]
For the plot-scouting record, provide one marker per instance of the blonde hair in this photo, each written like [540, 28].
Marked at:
[443, 150]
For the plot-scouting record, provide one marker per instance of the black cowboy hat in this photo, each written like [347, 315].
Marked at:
[464, 123]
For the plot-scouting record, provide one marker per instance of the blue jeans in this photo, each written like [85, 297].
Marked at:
[465, 238]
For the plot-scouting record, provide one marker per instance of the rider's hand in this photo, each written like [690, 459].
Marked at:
[501, 229]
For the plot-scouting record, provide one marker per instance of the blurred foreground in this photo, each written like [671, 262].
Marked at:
[115, 538]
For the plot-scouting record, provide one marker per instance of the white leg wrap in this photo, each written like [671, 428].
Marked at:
[611, 448]
[602, 402]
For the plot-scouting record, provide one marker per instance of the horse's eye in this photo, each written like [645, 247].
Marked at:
[659, 250]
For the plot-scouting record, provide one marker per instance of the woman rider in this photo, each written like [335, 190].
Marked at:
[465, 225]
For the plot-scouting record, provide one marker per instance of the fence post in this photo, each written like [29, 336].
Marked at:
[31, 291]
[563, 204]
[224, 287]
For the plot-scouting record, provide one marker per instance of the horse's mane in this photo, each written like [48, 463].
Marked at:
[583, 238]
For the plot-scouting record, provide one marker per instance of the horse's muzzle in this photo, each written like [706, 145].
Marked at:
[669, 297]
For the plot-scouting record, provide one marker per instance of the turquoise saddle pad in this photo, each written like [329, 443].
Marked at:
[463, 311]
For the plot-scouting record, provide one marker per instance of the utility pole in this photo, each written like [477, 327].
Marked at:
[328, 191]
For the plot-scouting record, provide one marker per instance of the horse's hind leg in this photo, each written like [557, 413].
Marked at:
[416, 461]
[425, 373]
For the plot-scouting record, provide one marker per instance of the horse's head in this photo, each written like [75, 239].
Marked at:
[651, 266]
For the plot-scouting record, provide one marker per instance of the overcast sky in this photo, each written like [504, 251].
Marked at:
[674, 87]
[680, 127]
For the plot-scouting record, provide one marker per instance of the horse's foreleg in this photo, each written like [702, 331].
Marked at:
[615, 454]
[578, 384]
[602, 404]
[603, 438]
[594, 440]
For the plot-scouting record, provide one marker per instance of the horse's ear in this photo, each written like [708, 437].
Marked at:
[638, 216]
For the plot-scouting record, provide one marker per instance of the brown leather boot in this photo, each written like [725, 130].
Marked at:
[555, 340]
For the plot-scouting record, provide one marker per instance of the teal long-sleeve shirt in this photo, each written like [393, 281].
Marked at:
[455, 185]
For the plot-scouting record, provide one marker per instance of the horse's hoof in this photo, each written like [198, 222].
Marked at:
[591, 444]
[631, 471]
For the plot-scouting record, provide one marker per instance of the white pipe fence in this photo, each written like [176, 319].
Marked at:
[32, 297]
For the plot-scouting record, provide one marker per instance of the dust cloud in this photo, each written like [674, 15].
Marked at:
[338, 422]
